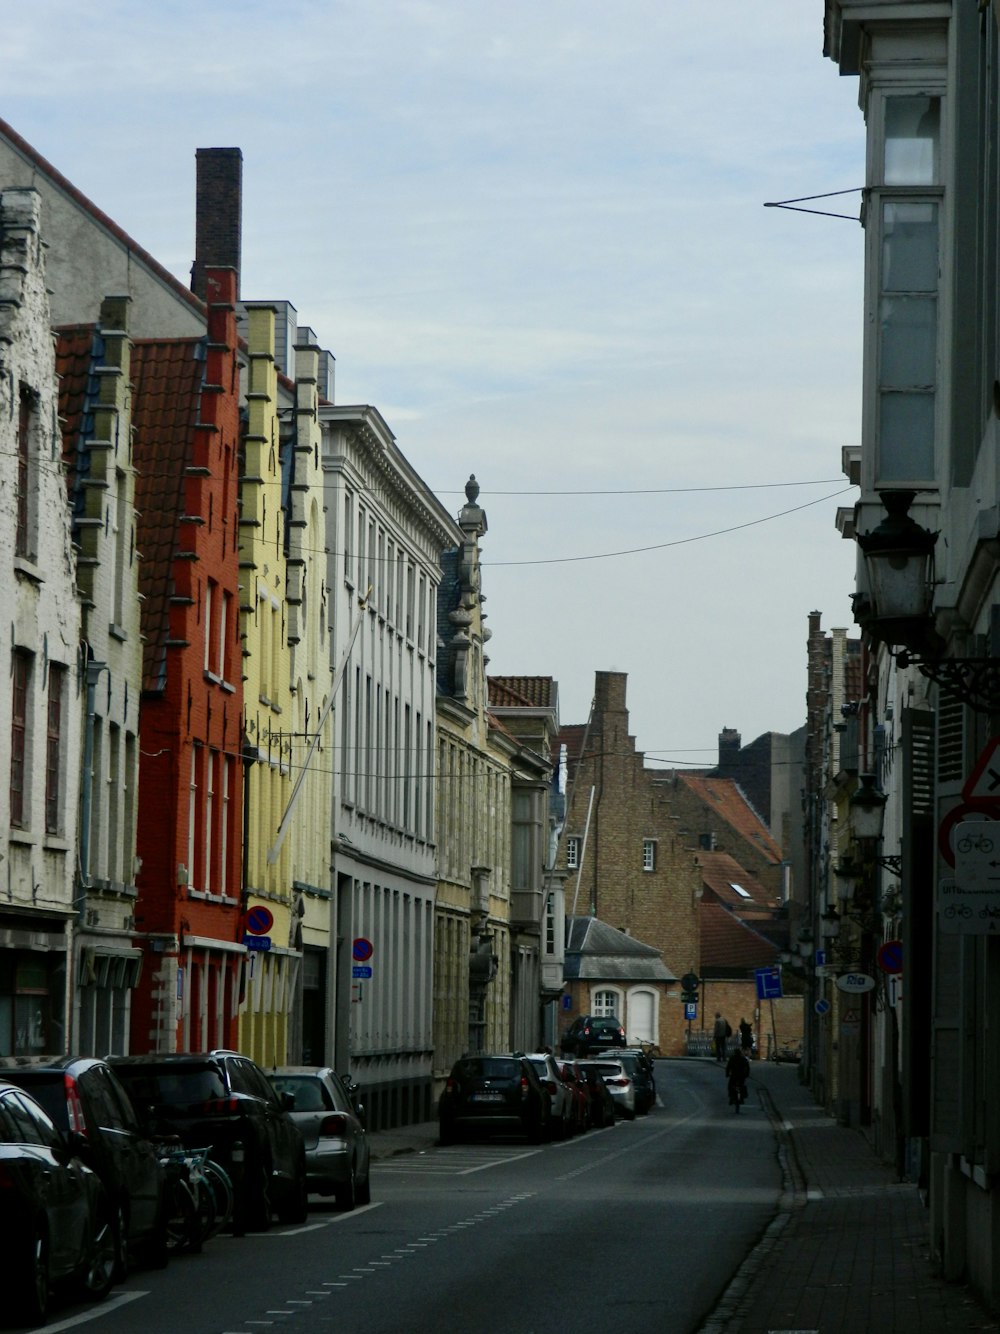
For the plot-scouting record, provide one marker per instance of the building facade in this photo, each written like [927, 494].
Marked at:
[385, 535]
[44, 662]
[928, 585]
[95, 412]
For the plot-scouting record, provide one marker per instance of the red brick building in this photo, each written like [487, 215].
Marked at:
[186, 418]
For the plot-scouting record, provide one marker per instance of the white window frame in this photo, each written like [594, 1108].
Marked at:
[602, 1007]
[649, 854]
[573, 852]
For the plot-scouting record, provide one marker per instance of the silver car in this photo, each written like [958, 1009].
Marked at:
[561, 1117]
[337, 1155]
[620, 1087]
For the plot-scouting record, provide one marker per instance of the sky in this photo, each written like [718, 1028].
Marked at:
[533, 234]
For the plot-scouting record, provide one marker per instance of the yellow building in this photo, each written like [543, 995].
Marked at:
[311, 1038]
[270, 712]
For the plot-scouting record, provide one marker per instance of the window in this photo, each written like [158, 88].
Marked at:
[25, 530]
[905, 261]
[227, 768]
[53, 750]
[207, 625]
[572, 853]
[649, 854]
[19, 737]
[605, 1003]
[224, 623]
[122, 546]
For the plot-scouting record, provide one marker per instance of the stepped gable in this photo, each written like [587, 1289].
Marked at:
[728, 943]
[167, 375]
[77, 351]
[728, 799]
[598, 951]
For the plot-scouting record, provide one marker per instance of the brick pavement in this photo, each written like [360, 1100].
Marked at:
[848, 1251]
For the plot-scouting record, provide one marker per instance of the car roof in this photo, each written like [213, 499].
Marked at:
[303, 1071]
[47, 1064]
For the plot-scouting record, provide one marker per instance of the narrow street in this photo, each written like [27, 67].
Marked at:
[643, 1223]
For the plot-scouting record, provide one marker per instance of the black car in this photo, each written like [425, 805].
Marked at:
[591, 1034]
[56, 1222]
[639, 1069]
[84, 1097]
[495, 1093]
[222, 1100]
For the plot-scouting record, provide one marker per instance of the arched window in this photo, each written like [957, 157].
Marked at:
[606, 1002]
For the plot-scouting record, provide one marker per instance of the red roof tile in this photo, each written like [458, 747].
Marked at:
[75, 354]
[727, 942]
[720, 871]
[533, 692]
[727, 798]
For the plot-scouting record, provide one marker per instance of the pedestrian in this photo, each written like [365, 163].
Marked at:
[737, 1073]
[746, 1038]
[720, 1031]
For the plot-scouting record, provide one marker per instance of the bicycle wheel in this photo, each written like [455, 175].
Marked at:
[182, 1217]
[221, 1188]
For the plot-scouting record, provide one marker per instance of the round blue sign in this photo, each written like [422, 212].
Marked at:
[822, 1006]
[259, 920]
[363, 949]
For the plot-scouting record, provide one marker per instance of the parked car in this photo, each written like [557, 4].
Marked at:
[602, 1105]
[639, 1069]
[337, 1154]
[56, 1220]
[494, 1093]
[619, 1085]
[561, 1118]
[579, 1092]
[591, 1034]
[223, 1100]
[84, 1097]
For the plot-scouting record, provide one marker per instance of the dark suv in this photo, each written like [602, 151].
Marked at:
[493, 1093]
[591, 1034]
[84, 1099]
[222, 1100]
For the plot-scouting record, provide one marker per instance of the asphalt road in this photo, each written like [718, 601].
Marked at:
[639, 1227]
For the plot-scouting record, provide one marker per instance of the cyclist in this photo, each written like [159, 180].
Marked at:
[737, 1073]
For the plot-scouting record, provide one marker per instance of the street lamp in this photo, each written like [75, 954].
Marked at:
[899, 557]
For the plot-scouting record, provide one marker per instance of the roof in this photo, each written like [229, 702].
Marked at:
[729, 801]
[167, 376]
[522, 692]
[720, 874]
[599, 952]
[66, 186]
[729, 945]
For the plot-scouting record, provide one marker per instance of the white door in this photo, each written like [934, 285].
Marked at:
[641, 1017]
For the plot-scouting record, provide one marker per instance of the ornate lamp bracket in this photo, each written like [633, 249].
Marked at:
[974, 681]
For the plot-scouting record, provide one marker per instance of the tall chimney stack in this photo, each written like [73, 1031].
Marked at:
[218, 214]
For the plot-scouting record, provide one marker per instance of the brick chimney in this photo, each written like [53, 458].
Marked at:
[218, 214]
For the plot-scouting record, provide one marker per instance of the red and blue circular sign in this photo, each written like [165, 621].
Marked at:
[362, 949]
[259, 920]
[890, 956]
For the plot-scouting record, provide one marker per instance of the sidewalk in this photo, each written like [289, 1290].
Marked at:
[848, 1252]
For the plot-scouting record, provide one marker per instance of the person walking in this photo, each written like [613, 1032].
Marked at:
[746, 1039]
[737, 1074]
[720, 1031]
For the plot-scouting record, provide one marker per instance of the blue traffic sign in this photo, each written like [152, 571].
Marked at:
[362, 949]
[257, 942]
[690, 1009]
[768, 983]
[259, 920]
[822, 1006]
[361, 970]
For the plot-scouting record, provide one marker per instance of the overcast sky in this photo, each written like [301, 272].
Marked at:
[533, 234]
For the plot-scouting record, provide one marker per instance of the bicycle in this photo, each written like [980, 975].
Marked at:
[190, 1202]
[220, 1187]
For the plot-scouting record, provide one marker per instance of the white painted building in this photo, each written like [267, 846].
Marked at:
[385, 535]
[39, 656]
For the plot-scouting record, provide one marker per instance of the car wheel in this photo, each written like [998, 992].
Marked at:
[31, 1293]
[346, 1194]
[99, 1270]
[295, 1207]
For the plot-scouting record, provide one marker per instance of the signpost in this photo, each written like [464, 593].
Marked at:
[970, 903]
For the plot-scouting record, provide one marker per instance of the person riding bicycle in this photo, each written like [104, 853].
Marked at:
[737, 1073]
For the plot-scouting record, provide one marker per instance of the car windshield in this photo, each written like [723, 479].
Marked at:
[488, 1067]
[309, 1092]
[172, 1087]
